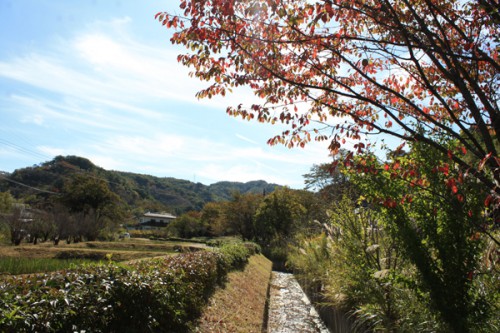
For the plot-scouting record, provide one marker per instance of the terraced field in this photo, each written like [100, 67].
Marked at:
[40, 256]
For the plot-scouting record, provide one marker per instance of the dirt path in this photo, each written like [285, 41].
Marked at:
[289, 308]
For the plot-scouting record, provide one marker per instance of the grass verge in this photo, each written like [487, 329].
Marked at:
[241, 305]
[27, 265]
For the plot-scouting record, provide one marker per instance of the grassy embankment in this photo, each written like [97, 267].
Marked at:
[240, 307]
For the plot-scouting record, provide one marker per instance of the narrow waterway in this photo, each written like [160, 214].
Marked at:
[290, 311]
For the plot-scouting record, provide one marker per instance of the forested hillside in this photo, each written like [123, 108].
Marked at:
[142, 192]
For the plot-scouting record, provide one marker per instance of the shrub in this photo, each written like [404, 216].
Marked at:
[153, 295]
[235, 254]
[358, 269]
[253, 248]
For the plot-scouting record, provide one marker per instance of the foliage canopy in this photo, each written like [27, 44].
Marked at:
[341, 70]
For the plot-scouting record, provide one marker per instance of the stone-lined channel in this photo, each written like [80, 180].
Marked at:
[290, 311]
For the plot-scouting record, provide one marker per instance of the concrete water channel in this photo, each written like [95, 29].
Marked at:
[290, 311]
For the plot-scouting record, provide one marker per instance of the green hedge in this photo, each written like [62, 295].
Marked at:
[234, 254]
[160, 295]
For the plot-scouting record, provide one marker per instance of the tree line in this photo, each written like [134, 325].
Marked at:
[85, 210]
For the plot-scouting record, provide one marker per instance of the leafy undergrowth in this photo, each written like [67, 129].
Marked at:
[241, 305]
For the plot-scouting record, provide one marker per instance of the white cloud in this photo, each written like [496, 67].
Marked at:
[103, 89]
[105, 65]
[53, 151]
[154, 148]
[238, 173]
[41, 112]
[101, 50]
[244, 138]
[37, 119]
[107, 162]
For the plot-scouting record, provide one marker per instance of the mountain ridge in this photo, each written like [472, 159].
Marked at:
[139, 191]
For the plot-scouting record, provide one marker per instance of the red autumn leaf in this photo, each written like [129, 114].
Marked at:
[445, 169]
[483, 161]
[279, 56]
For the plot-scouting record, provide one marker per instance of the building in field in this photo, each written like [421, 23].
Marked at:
[155, 220]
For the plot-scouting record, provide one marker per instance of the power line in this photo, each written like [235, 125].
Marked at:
[28, 186]
[22, 149]
[66, 165]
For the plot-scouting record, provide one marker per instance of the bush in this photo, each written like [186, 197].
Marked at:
[219, 241]
[156, 295]
[235, 254]
[253, 248]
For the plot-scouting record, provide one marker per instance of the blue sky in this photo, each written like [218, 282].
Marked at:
[100, 79]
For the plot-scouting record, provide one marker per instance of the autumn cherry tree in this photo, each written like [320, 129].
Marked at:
[423, 71]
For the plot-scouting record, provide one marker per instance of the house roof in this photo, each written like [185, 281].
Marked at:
[159, 215]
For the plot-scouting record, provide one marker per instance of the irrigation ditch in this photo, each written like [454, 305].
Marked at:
[294, 308]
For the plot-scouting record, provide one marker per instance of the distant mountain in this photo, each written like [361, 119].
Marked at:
[141, 192]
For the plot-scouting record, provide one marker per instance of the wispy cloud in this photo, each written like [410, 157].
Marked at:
[123, 104]
[244, 138]
[40, 111]
[52, 151]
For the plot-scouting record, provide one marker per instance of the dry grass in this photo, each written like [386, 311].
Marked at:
[241, 305]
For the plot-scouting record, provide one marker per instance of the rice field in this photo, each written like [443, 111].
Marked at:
[46, 257]
[15, 266]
